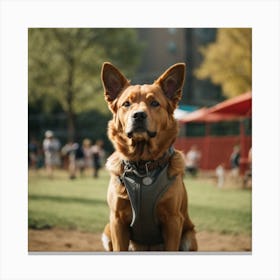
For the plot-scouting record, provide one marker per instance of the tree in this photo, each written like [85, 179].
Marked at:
[228, 61]
[64, 66]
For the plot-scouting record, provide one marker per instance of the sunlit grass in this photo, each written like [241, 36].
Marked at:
[78, 204]
[81, 203]
[226, 210]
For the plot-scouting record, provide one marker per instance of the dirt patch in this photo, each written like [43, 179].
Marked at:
[60, 240]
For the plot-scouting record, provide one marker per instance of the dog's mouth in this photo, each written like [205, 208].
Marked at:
[141, 132]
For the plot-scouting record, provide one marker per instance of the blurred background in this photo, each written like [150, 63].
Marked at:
[65, 92]
[66, 104]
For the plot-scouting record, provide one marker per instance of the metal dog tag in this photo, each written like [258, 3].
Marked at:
[147, 181]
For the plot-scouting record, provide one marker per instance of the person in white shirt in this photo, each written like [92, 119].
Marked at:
[51, 147]
[192, 159]
[220, 173]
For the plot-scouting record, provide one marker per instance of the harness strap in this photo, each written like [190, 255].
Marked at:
[145, 228]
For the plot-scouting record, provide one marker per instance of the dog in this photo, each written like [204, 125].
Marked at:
[146, 194]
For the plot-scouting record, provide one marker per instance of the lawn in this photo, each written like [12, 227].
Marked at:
[227, 210]
[81, 204]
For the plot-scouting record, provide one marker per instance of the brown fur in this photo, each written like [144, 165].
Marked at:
[172, 208]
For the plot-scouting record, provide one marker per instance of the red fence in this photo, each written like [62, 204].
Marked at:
[216, 149]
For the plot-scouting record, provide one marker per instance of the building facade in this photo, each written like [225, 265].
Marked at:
[166, 46]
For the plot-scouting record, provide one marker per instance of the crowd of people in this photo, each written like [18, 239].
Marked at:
[76, 158]
[87, 157]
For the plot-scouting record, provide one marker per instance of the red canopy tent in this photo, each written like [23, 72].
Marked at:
[237, 108]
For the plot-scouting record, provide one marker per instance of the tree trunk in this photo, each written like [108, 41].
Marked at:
[71, 128]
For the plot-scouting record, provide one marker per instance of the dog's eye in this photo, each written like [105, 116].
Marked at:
[126, 104]
[154, 103]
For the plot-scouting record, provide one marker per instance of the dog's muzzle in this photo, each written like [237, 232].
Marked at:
[138, 124]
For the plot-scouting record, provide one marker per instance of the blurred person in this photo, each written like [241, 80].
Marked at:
[80, 159]
[234, 161]
[40, 157]
[51, 147]
[220, 174]
[75, 158]
[87, 154]
[247, 180]
[192, 159]
[97, 156]
[33, 149]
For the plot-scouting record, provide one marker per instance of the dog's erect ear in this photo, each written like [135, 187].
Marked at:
[113, 81]
[172, 81]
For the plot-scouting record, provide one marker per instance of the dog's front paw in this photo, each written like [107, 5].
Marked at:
[107, 243]
[188, 242]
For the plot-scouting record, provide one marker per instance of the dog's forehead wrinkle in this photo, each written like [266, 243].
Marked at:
[132, 92]
[138, 93]
[149, 88]
[147, 93]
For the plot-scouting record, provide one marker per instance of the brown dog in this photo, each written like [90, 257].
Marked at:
[146, 195]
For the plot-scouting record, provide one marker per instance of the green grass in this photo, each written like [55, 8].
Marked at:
[75, 204]
[81, 204]
[226, 210]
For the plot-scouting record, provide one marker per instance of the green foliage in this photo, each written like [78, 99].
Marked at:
[81, 204]
[228, 61]
[65, 63]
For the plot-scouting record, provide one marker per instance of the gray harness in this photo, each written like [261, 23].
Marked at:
[144, 188]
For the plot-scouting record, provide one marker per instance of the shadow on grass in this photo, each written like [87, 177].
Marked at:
[65, 199]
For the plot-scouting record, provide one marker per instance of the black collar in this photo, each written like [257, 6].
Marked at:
[143, 166]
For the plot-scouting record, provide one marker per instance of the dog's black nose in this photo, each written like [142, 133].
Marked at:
[139, 115]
